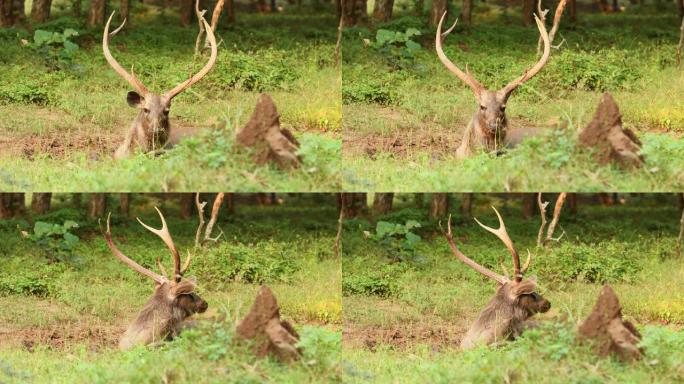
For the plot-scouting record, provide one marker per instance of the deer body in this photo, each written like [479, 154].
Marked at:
[174, 299]
[505, 316]
[150, 130]
[487, 128]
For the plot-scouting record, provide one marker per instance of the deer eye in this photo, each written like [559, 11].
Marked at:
[146, 110]
[166, 111]
[503, 107]
[482, 107]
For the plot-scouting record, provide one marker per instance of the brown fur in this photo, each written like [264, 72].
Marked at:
[164, 314]
[505, 316]
[150, 130]
[487, 128]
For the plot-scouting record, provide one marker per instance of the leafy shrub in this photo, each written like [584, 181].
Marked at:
[35, 281]
[377, 281]
[257, 264]
[56, 48]
[321, 346]
[320, 153]
[24, 93]
[660, 343]
[605, 262]
[603, 70]
[397, 240]
[366, 90]
[265, 70]
[397, 47]
[56, 240]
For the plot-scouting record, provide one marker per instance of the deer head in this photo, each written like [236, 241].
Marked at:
[151, 129]
[515, 301]
[174, 298]
[488, 125]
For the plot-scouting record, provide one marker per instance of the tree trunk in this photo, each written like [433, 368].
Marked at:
[529, 203]
[96, 13]
[40, 203]
[97, 205]
[382, 10]
[352, 204]
[349, 15]
[76, 8]
[680, 7]
[274, 7]
[76, 200]
[124, 204]
[572, 203]
[186, 11]
[11, 12]
[419, 7]
[467, 205]
[11, 205]
[125, 11]
[572, 10]
[528, 12]
[230, 203]
[439, 205]
[382, 203]
[187, 201]
[467, 11]
[40, 10]
[230, 11]
[438, 9]
[419, 200]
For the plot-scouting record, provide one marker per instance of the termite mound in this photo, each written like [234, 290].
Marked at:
[269, 141]
[271, 335]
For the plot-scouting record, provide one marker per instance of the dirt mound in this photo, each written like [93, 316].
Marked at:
[610, 140]
[610, 333]
[271, 335]
[62, 336]
[403, 336]
[264, 134]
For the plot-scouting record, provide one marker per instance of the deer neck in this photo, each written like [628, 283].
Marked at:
[147, 138]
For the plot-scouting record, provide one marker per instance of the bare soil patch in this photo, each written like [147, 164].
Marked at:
[62, 336]
[404, 336]
[437, 143]
[59, 146]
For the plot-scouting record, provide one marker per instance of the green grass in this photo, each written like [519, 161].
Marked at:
[630, 55]
[431, 299]
[287, 247]
[63, 122]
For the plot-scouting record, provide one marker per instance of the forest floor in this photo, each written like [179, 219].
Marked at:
[404, 114]
[406, 312]
[62, 318]
[62, 119]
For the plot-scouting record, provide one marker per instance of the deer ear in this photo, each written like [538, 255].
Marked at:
[134, 99]
[183, 288]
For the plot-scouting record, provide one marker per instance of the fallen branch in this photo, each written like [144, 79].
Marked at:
[556, 216]
[681, 232]
[218, 201]
[202, 32]
[542, 212]
[556, 23]
[200, 213]
[339, 233]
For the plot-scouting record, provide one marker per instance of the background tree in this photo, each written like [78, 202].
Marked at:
[382, 10]
[11, 12]
[187, 202]
[12, 205]
[124, 204]
[439, 205]
[529, 202]
[97, 205]
[40, 10]
[467, 11]
[40, 203]
[528, 12]
[186, 11]
[96, 14]
[572, 10]
[467, 205]
[438, 8]
[382, 202]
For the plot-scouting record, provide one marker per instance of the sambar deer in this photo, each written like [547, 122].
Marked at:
[487, 128]
[505, 316]
[151, 130]
[174, 298]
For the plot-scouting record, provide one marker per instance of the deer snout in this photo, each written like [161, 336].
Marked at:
[545, 306]
[202, 307]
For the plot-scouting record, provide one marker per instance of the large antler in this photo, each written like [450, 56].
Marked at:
[195, 78]
[503, 236]
[469, 262]
[135, 266]
[164, 234]
[537, 67]
[129, 77]
[465, 77]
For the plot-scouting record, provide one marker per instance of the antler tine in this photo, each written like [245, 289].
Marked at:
[537, 67]
[131, 79]
[164, 234]
[161, 268]
[527, 263]
[195, 78]
[186, 265]
[132, 264]
[469, 262]
[465, 77]
[503, 236]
